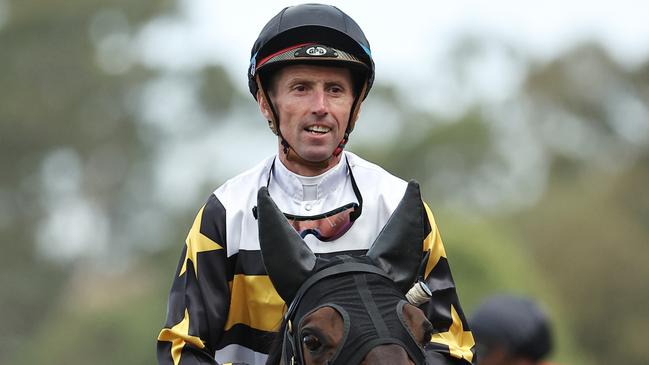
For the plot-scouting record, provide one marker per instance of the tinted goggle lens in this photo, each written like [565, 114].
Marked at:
[328, 226]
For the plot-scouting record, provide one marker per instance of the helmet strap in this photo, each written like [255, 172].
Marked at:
[274, 123]
[341, 145]
[356, 107]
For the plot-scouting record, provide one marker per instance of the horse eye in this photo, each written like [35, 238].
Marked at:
[311, 342]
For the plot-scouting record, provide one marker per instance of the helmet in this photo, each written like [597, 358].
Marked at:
[517, 323]
[311, 33]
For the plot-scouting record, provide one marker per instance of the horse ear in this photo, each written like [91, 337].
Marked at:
[398, 248]
[287, 258]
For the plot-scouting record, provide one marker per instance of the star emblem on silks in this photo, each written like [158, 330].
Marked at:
[179, 335]
[196, 243]
[433, 243]
[456, 338]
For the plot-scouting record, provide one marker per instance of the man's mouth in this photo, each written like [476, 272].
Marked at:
[318, 129]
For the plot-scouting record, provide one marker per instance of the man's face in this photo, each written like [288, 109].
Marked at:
[313, 104]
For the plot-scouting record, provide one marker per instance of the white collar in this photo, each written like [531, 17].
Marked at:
[293, 184]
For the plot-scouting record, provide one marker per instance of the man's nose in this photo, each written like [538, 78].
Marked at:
[320, 103]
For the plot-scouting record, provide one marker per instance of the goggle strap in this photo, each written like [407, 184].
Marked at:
[357, 212]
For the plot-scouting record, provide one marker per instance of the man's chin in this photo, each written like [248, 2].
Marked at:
[309, 163]
[316, 156]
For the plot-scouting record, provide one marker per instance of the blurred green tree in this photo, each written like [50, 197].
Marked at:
[67, 137]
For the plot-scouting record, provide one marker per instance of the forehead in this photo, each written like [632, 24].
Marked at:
[313, 73]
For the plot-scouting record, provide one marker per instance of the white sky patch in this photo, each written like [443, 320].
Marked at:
[194, 165]
[630, 119]
[4, 12]
[72, 225]
[410, 42]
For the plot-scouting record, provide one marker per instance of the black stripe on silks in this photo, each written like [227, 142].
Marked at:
[164, 353]
[254, 339]
[176, 301]
[440, 277]
[214, 292]
[249, 262]
[438, 309]
[213, 221]
[427, 226]
[205, 298]
[193, 300]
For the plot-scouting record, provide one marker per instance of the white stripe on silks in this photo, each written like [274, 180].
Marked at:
[237, 354]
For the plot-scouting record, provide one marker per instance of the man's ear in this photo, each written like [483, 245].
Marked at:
[264, 108]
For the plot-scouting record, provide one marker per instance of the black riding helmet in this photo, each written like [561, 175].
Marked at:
[312, 34]
[517, 323]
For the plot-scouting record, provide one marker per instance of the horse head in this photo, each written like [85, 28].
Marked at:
[348, 310]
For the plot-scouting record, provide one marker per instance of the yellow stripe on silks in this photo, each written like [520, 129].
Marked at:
[254, 303]
[197, 242]
[179, 335]
[433, 242]
[458, 340]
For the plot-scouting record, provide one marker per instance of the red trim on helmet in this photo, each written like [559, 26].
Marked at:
[265, 59]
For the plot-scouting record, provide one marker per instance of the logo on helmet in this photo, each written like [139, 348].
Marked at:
[316, 51]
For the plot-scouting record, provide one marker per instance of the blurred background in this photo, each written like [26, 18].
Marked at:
[527, 126]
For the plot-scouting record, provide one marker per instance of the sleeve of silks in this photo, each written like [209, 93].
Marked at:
[198, 301]
[453, 338]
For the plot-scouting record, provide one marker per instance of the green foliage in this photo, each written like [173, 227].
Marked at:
[103, 319]
[54, 97]
[487, 259]
[217, 91]
[596, 254]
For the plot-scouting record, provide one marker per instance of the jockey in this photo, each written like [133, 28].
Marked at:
[310, 70]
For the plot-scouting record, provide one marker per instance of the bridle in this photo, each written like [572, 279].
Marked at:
[291, 348]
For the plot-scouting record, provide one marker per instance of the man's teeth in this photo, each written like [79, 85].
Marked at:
[318, 129]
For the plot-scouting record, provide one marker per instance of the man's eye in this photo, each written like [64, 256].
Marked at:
[311, 342]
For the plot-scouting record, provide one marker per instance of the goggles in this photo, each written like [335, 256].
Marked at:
[327, 226]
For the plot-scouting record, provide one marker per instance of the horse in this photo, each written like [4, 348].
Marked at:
[349, 309]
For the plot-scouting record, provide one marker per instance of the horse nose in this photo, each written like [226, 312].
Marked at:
[387, 355]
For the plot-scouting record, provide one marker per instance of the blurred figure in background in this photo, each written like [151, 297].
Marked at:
[511, 330]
